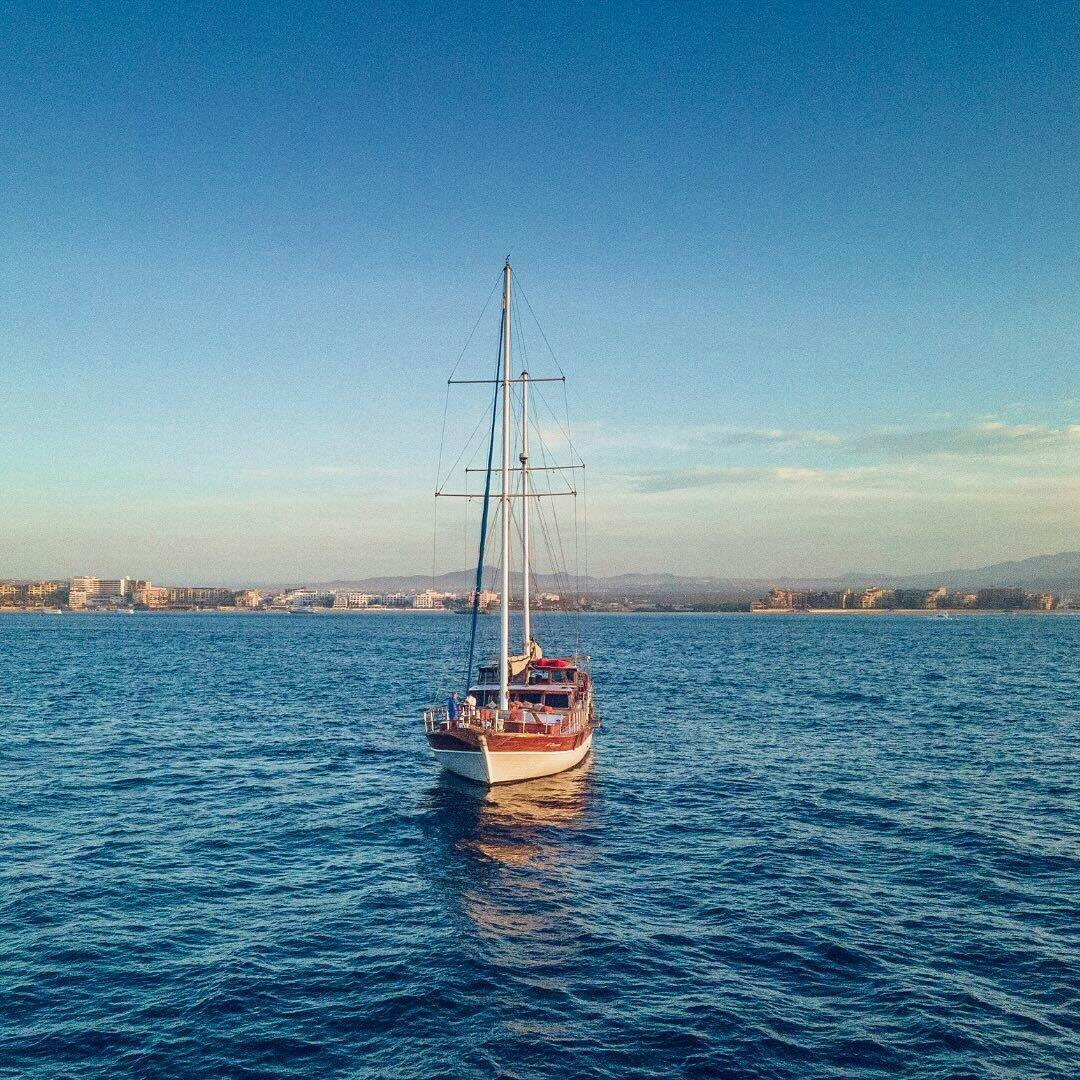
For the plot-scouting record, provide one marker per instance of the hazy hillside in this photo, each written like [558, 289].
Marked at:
[1059, 572]
[1052, 572]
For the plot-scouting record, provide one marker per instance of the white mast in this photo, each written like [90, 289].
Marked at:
[504, 598]
[526, 627]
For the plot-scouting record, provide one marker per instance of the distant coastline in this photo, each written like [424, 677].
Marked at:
[1041, 583]
[920, 613]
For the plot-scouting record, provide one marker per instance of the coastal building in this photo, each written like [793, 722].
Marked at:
[154, 597]
[876, 598]
[396, 599]
[786, 600]
[187, 596]
[484, 599]
[94, 592]
[936, 598]
[909, 599]
[1010, 598]
[43, 592]
[1043, 601]
[249, 598]
[303, 597]
[781, 600]
[31, 594]
[352, 600]
[428, 599]
[825, 599]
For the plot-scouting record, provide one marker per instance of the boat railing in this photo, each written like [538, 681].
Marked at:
[485, 718]
[435, 717]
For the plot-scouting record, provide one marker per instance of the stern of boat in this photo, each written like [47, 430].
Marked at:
[482, 746]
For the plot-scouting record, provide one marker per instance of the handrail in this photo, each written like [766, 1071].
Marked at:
[491, 719]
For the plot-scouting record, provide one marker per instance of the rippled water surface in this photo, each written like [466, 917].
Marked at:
[803, 847]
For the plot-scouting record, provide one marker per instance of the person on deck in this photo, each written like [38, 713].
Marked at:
[452, 707]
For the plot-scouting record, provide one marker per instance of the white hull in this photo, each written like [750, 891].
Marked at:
[508, 766]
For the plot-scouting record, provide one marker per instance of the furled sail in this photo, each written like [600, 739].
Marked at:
[519, 663]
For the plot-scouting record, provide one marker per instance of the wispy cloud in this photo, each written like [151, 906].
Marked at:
[989, 437]
[720, 436]
[701, 476]
[691, 437]
[986, 437]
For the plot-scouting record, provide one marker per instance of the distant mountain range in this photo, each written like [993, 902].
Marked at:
[1049, 572]
[1059, 572]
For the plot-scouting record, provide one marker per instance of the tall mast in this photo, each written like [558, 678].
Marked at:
[504, 597]
[526, 627]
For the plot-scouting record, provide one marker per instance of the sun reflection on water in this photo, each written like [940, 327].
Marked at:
[524, 844]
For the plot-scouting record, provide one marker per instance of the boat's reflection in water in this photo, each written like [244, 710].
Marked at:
[516, 848]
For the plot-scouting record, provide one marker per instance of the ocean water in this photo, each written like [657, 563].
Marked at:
[804, 847]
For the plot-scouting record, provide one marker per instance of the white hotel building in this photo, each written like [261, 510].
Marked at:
[352, 600]
[88, 591]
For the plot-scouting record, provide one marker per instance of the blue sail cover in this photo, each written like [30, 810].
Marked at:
[484, 514]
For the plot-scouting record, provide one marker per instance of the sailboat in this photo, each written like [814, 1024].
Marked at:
[526, 715]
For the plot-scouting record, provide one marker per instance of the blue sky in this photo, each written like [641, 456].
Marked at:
[811, 267]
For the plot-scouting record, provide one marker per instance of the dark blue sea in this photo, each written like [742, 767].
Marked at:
[804, 847]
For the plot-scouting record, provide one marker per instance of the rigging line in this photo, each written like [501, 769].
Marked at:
[555, 520]
[547, 547]
[515, 321]
[539, 327]
[520, 324]
[552, 533]
[441, 480]
[577, 531]
[438, 475]
[484, 513]
[532, 577]
[577, 555]
[566, 410]
[489, 583]
[561, 582]
[553, 560]
[577, 551]
[564, 578]
[566, 430]
[547, 467]
[578, 540]
[442, 439]
[559, 424]
[557, 558]
[434, 544]
[468, 340]
[585, 536]
[465, 534]
[577, 575]
[558, 531]
[558, 570]
[491, 530]
[529, 576]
